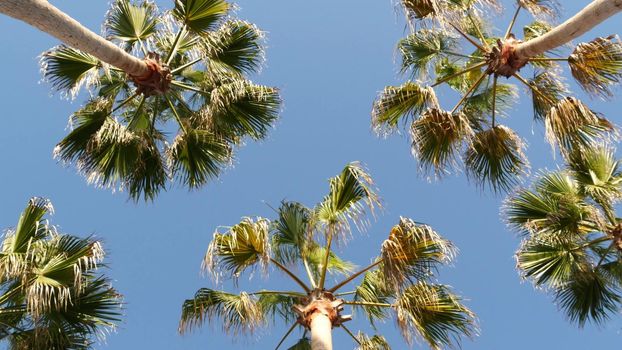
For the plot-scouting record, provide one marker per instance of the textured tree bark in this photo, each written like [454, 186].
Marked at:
[49, 19]
[321, 332]
[584, 20]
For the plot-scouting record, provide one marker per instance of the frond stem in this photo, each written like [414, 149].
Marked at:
[457, 74]
[352, 277]
[290, 274]
[276, 292]
[364, 303]
[289, 331]
[177, 117]
[548, 59]
[180, 68]
[479, 32]
[138, 109]
[468, 38]
[468, 93]
[534, 89]
[174, 48]
[602, 258]
[509, 30]
[591, 243]
[188, 87]
[126, 101]
[345, 293]
[494, 99]
[350, 333]
[309, 274]
[329, 241]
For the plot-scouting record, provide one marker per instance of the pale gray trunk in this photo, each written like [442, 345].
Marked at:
[321, 333]
[44, 16]
[586, 19]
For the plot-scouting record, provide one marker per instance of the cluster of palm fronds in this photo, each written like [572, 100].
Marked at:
[572, 234]
[400, 281]
[119, 138]
[470, 134]
[51, 295]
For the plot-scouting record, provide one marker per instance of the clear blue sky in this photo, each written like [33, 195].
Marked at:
[330, 58]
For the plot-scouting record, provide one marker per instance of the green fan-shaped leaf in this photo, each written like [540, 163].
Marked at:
[291, 232]
[67, 69]
[549, 90]
[130, 23]
[598, 173]
[597, 65]
[420, 49]
[480, 103]
[434, 314]
[376, 342]
[374, 289]
[236, 46]
[496, 158]
[400, 104]
[201, 15]
[273, 305]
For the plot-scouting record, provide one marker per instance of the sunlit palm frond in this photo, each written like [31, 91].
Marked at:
[201, 16]
[549, 91]
[597, 65]
[238, 313]
[315, 257]
[273, 305]
[480, 103]
[536, 29]
[413, 251]
[376, 342]
[236, 46]
[240, 247]
[130, 23]
[420, 49]
[241, 108]
[68, 69]
[400, 104]
[437, 139]
[571, 124]
[598, 173]
[373, 289]
[351, 193]
[291, 232]
[149, 176]
[197, 156]
[538, 8]
[589, 296]
[433, 313]
[419, 8]
[496, 159]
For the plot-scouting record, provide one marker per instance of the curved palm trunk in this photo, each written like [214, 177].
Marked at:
[584, 20]
[321, 332]
[47, 18]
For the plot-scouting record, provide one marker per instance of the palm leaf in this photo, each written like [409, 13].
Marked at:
[496, 158]
[240, 247]
[400, 104]
[236, 46]
[419, 8]
[273, 305]
[376, 342]
[239, 313]
[598, 173]
[200, 16]
[434, 314]
[373, 289]
[549, 90]
[67, 69]
[413, 251]
[291, 231]
[597, 65]
[437, 138]
[480, 103]
[315, 257]
[420, 49]
[129, 23]
[538, 8]
[197, 156]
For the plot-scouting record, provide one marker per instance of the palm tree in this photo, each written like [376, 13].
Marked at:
[194, 87]
[452, 44]
[51, 296]
[399, 281]
[573, 237]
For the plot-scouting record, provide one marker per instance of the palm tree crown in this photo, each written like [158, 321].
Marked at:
[452, 43]
[573, 237]
[51, 295]
[398, 282]
[197, 91]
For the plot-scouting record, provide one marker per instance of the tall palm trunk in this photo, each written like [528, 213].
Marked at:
[584, 20]
[44, 16]
[321, 332]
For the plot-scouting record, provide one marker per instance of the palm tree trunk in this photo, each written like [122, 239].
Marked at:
[321, 332]
[44, 16]
[586, 19]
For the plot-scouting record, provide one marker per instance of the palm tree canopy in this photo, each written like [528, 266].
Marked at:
[52, 297]
[400, 281]
[201, 97]
[452, 43]
[573, 237]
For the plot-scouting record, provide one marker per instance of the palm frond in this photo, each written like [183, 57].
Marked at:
[196, 156]
[238, 313]
[418, 50]
[570, 124]
[201, 16]
[373, 289]
[413, 251]
[419, 8]
[376, 342]
[549, 90]
[539, 8]
[291, 232]
[598, 173]
[240, 247]
[588, 297]
[480, 103]
[536, 29]
[597, 65]
[130, 23]
[433, 313]
[496, 159]
[273, 305]
[236, 46]
[437, 138]
[315, 257]
[68, 69]
[399, 104]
